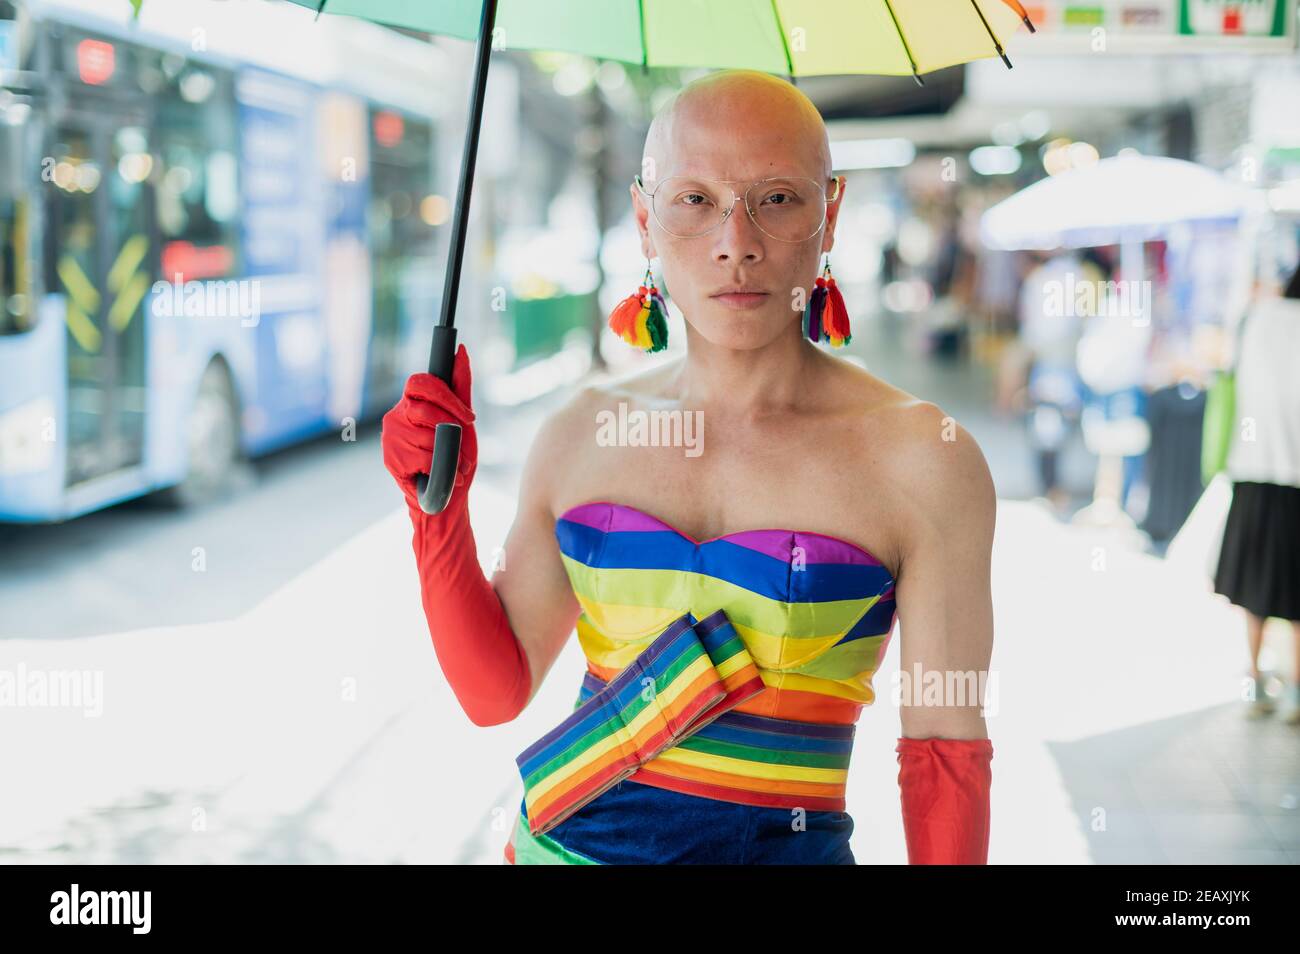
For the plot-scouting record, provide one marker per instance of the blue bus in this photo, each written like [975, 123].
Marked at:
[213, 243]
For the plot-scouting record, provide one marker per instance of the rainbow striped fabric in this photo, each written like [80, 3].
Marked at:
[815, 612]
[754, 760]
[687, 677]
[806, 618]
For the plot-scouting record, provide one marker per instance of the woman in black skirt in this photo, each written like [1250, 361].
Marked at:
[1259, 564]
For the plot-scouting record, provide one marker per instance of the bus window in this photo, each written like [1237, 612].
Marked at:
[402, 217]
[16, 311]
[197, 182]
[15, 285]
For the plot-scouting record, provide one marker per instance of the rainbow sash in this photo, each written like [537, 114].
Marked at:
[693, 672]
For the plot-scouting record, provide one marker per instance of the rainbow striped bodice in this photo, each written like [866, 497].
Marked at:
[807, 614]
[815, 612]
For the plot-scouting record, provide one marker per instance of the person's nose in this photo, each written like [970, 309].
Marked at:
[738, 239]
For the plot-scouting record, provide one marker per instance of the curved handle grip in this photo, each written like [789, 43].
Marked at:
[435, 488]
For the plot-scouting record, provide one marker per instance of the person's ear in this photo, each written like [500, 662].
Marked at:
[833, 215]
[641, 214]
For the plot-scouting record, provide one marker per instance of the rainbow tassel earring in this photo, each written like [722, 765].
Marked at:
[642, 319]
[826, 318]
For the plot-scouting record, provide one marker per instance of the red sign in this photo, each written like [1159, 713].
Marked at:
[95, 61]
[389, 128]
[184, 261]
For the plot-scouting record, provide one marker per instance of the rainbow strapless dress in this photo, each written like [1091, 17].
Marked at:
[715, 721]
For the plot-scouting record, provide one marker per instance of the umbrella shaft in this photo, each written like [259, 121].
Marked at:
[442, 348]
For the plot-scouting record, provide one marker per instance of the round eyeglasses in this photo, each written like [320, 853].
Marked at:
[786, 208]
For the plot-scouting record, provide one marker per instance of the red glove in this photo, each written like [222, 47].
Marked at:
[478, 651]
[944, 785]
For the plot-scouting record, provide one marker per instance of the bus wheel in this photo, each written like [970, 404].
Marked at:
[214, 462]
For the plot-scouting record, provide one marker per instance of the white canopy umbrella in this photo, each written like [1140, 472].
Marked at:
[1119, 200]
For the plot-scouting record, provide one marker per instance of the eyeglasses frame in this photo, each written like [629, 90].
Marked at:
[636, 181]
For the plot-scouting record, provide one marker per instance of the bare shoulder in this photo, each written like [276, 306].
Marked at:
[923, 461]
[574, 420]
[568, 431]
[935, 456]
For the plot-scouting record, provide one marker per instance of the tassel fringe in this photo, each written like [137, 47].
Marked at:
[835, 319]
[641, 319]
[812, 316]
[826, 318]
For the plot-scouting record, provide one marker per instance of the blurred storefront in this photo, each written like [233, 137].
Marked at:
[1212, 83]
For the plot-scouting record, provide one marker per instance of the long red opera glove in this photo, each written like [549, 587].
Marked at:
[944, 787]
[478, 651]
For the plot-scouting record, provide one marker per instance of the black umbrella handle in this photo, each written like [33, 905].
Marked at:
[435, 488]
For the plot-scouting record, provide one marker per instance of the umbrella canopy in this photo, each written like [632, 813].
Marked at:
[793, 37]
[1123, 198]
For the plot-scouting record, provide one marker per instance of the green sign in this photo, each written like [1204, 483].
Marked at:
[1232, 17]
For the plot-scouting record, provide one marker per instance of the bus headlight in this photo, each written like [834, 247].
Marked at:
[27, 438]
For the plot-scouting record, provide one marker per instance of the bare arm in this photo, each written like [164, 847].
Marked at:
[943, 592]
[531, 582]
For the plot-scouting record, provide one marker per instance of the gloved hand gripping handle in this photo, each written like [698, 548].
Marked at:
[435, 487]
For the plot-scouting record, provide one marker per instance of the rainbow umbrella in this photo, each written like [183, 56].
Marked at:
[789, 37]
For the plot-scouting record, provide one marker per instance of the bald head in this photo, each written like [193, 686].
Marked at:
[751, 124]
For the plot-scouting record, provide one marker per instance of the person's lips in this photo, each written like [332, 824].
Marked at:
[740, 297]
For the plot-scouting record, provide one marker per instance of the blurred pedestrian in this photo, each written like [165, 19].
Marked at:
[1259, 563]
[1050, 326]
[1113, 364]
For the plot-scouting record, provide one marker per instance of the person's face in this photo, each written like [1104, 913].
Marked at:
[737, 252]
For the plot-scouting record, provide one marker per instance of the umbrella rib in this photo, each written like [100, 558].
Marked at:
[321, 9]
[989, 30]
[645, 50]
[785, 43]
[902, 39]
